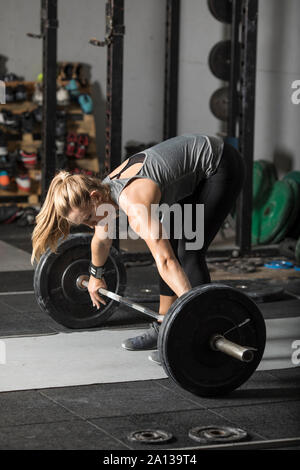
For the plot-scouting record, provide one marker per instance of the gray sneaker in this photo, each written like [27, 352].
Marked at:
[147, 340]
[155, 357]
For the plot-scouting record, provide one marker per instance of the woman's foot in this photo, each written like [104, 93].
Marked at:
[155, 357]
[147, 340]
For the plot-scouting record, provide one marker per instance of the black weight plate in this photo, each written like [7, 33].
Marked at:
[219, 60]
[221, 10]
[287, 248]
[55, 283]
[189, 325]
[258, 291]
[219, 103]
[143, 294]
[217, 434]
[297, 251]
[265, 294]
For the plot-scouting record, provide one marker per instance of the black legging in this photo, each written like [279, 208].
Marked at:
[218, 194]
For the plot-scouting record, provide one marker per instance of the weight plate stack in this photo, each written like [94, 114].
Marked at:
[294, 175]
[297, 251]
[56, 288]
[271, 172]
[272, 216]
[259, 182]
[255, 227]
[186, 334]
[294, 215]
[294, 231]
[264, 177]
[221, 10]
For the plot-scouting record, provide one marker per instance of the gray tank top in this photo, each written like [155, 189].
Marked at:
[176, 165]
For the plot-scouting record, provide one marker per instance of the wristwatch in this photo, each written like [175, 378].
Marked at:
[96, 271]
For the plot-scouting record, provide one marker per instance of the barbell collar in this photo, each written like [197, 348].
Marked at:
[82, 282]
[242, 353]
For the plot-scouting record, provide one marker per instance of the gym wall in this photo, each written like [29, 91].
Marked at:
[278, 65]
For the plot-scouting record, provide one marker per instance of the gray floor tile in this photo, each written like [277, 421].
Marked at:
[288, 377]
[262, 387]
[75, 435]
[14, 323]
[28, 407]
[13, 259]
[22, 303]
[280, 309]
[272, 420]
[119, 399]
[16, 281]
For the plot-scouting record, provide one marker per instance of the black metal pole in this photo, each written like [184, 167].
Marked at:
[171, 69]
[114, 83]
[234, 68]
[114, 88]
[49, 25]
[247, 119]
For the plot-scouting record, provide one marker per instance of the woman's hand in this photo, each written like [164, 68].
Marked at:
[94, 285]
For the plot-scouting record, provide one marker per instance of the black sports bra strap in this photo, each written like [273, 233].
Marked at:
[138, 158]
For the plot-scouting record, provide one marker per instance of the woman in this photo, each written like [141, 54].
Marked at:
[189, 169]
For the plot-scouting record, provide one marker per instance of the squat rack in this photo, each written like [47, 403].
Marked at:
[49, 25]
[242, 108]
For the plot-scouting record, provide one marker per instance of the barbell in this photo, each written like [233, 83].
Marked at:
[210, 341]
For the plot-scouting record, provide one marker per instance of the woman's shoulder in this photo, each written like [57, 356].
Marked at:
[140, 191]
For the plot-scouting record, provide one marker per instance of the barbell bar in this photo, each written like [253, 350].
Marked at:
[218, 342]
[82, 283]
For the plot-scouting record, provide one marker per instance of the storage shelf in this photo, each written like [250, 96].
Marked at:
[77, 122]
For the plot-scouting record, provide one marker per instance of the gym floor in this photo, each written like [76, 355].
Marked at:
[100, 415]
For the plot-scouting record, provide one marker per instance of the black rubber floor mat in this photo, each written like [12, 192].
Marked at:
[281, 309]
[273, 421]
[177, 423]
[19, 323]
[15, 281]
[60, 435]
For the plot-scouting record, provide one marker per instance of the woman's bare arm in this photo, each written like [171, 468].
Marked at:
[100, 247]
[137, 206]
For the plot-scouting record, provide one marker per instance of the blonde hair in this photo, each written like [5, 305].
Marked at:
[66, 192]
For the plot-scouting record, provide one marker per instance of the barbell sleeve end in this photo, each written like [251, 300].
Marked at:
[242, 353]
